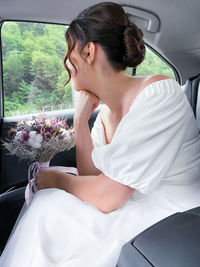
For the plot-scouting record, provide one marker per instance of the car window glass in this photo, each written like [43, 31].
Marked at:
[33, 72]
[153, 65]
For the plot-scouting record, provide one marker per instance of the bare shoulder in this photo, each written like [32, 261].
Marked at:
[154, 78]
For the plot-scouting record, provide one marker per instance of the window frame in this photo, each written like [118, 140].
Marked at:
[1, 80]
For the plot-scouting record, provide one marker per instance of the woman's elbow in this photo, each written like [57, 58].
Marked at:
[110, 195]
[108, 208]
[114, 202]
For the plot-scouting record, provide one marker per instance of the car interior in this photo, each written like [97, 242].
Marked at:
[171, 34]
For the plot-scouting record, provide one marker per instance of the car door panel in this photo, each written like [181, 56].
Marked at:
[13, 175]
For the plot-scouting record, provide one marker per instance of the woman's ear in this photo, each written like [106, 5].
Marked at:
[89, 51]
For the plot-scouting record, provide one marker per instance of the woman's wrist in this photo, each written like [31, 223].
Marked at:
[64, 180]
[80, 126]
[59, 180]
[80, 120]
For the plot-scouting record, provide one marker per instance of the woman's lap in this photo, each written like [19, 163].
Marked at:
[66, 226]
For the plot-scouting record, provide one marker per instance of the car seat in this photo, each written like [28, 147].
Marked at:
[192, 92]
[175, 240]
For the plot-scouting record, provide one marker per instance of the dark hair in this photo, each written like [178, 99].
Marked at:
[108, 25]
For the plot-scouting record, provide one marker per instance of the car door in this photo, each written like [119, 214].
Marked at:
[31, 68]
[13, 175]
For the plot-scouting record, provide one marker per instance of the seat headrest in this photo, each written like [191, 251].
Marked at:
[192, 91]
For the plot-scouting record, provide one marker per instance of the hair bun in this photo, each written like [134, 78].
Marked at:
[134, 45]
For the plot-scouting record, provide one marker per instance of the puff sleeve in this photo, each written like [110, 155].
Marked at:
[147, 139]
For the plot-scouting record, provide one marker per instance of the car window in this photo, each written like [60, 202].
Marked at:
[153, 64]
[33, 72]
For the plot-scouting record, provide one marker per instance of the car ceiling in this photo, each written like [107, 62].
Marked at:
[177, 40]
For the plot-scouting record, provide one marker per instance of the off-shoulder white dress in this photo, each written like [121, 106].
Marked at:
[155, 149]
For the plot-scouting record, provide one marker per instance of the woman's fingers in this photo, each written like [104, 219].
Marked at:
[46, 179]
[86, 104]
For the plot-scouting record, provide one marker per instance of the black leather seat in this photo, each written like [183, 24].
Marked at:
[174, 241]
[10, 206]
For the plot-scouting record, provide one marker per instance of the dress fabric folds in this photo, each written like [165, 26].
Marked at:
[155, 149]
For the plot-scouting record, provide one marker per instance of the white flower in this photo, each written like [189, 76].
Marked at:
[38, 138]
[32, 134]
[35, 140]
[19, 135]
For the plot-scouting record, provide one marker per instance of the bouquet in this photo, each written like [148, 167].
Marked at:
[38, 140]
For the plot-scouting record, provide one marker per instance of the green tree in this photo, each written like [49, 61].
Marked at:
[56, 34]
[153, 65]
[13, 72]
[46, 69]
[11, 39]
[63, 93]
[10, 106]
[21, 95]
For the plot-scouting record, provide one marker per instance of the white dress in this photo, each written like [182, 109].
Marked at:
[155, 149]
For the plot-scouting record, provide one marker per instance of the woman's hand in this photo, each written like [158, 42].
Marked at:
[86, 104]
[47, 179]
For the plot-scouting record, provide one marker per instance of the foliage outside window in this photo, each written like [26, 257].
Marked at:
[33, 70]
[153, 65]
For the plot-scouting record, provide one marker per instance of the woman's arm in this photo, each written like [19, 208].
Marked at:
[86, 104]
[84, 147]
[101, 191]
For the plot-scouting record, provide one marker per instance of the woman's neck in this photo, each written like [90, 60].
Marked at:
[116, 91]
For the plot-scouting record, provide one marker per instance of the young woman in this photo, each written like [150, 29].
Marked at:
[139, 164]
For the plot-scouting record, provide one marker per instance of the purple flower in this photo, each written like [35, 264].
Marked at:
[36, 128]
[47, 135]
[25, 136]
[48, 130]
